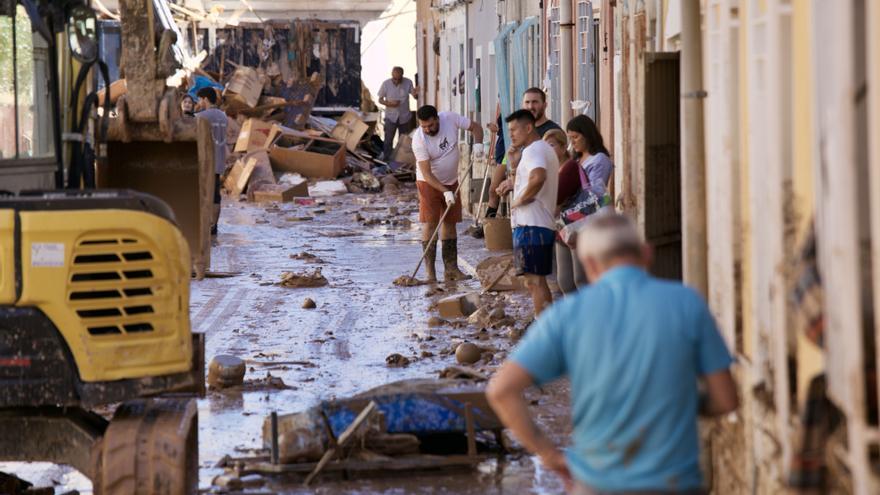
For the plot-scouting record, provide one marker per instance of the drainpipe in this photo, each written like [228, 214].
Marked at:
[565, 61]
[693, 156]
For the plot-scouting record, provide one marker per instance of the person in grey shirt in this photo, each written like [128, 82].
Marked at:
[207, 109]
[394, 94]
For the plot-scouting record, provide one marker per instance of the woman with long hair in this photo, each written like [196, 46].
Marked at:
[588, 153]
[569, 273]
[589, 149]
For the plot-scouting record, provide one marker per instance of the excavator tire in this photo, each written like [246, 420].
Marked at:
[151, 448]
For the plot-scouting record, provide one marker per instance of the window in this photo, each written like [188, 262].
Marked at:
[24, 94]
[553, 37]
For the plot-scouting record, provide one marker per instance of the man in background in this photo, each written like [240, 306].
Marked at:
[207, 109]
[394, 94]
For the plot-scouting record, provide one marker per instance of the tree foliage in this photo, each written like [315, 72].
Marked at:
[25, 63]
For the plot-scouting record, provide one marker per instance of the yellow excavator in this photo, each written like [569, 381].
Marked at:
[94, 283]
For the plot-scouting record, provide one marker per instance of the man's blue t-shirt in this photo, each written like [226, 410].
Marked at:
[633, 347]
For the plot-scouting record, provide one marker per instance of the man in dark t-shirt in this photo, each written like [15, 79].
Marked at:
[535, 101]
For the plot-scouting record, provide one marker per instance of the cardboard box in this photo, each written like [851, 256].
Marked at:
[309, 155]
[254, 135]
[311, 164]
[238, 177]
[244, 89]
[350, 130]
[281, 193]
[498, 234]
[459, 305]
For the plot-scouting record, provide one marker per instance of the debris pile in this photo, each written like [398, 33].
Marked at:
[306, 279]
[280, 151]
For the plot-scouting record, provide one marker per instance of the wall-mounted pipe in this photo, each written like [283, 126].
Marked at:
[693, 156]
[566, 61]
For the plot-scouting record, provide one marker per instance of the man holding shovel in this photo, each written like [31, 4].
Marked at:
[435, 146]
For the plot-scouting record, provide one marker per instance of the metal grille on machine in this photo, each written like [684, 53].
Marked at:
[112, 285]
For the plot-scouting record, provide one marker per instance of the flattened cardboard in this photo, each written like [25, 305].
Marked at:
[281, 193]
[254, 135]
[238, 177]
[350, 129]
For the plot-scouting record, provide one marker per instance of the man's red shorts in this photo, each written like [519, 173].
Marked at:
[432, 205]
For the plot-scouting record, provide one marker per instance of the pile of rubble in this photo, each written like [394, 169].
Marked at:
[277, 152]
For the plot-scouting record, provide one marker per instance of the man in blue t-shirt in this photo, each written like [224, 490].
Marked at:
[635, 348]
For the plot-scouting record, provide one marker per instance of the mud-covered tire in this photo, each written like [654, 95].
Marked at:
[151, 447]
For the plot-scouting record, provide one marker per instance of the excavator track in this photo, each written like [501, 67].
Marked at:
[151, 447]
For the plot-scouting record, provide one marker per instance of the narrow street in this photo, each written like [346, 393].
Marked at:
[360, 319]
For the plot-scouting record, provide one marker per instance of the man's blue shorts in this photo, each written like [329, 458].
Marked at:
[533, 250]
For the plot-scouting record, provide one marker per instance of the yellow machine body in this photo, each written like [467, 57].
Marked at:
[115, 283]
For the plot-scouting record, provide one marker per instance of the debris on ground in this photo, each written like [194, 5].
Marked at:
[463, 373]
[306, 279]
[328, 188]
[407, 281]
[268, 382]
[458, 305]
[309, 303]
[212, 274]
[495, 274]
[486, 317]
[366, 182]
[390, 184]
[435, 321]
[380, 430]
[280, 193]
[226, 371]
[467, 353]
[307, 257]
[433, 291]
[397, 361]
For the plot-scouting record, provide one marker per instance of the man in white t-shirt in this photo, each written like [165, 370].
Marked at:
[435, 145]
[534, 183]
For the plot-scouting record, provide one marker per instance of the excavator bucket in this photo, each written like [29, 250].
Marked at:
[151, 147]
[180, 172]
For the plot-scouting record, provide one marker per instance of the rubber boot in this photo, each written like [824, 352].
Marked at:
[451, 273]
[430, 260]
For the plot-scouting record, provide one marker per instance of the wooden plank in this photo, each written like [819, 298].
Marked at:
[471, 434]
[391, 464]
[342, 441]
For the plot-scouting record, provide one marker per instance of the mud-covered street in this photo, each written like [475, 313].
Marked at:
[340, 347]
